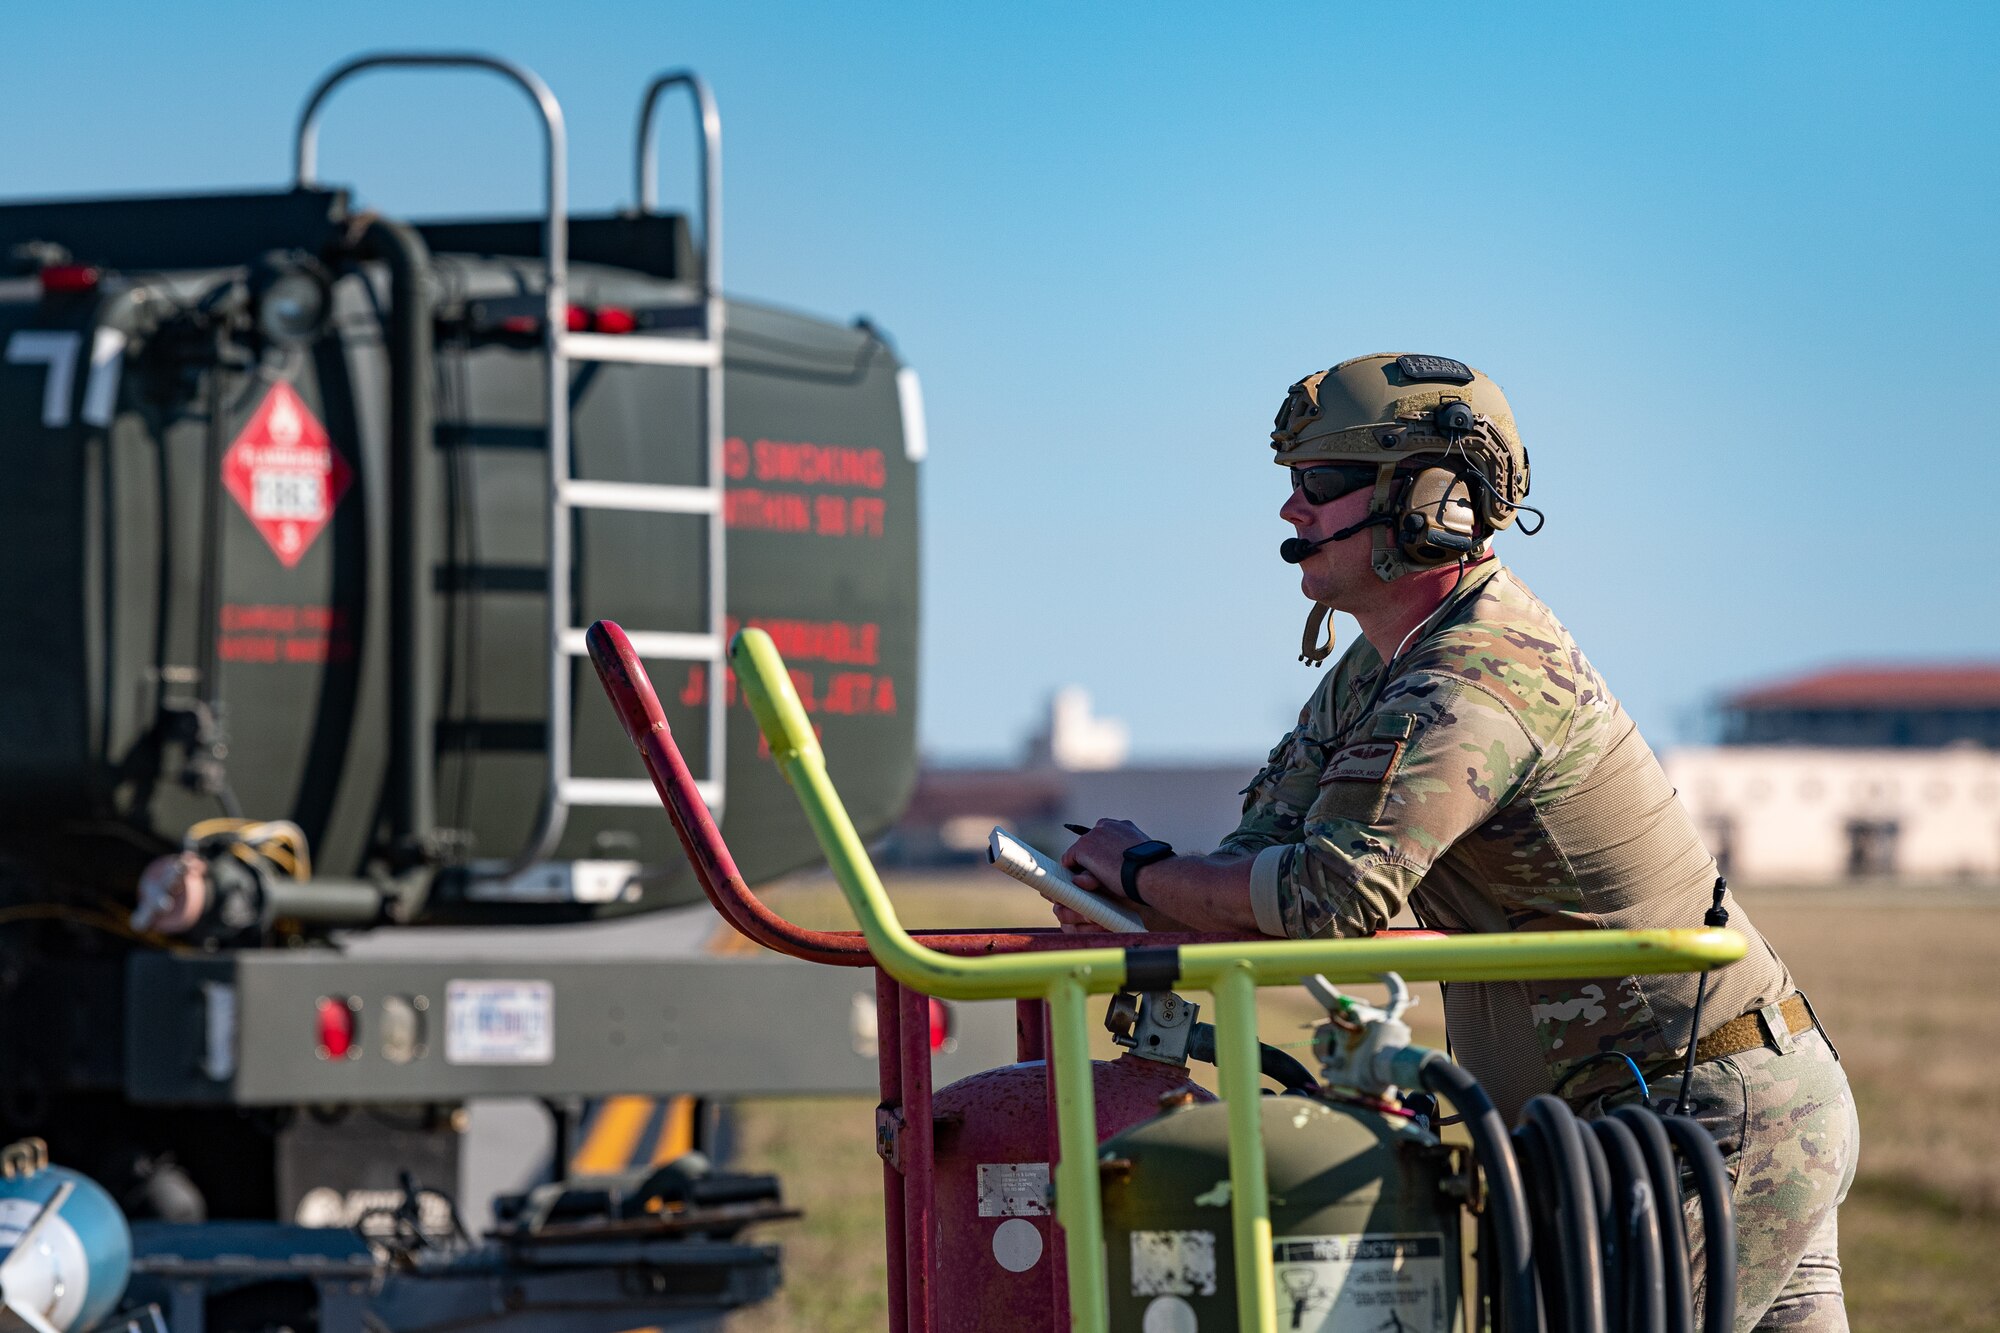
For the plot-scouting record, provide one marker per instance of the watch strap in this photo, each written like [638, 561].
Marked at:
[1128, 870]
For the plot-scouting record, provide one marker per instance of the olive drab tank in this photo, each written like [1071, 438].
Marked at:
[201, 398]
[1365, 1235]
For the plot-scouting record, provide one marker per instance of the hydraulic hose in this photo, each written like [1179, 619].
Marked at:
[1538, 1166]
[1515, 1299]
[1607, 1247]
[1640, 1302]
[413, 675]
[1610, 1236]
[1284, 1070]
[1550, 1124]
[1665, 1176]
[1718, 1218]
[1276, 1065]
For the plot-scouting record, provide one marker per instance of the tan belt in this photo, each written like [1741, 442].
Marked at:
[1746, 1032]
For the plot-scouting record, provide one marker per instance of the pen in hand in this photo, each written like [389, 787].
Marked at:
[1076, 828]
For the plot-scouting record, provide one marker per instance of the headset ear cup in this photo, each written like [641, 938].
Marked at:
[1438, 522]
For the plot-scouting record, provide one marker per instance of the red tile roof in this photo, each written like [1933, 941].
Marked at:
[1971, 685]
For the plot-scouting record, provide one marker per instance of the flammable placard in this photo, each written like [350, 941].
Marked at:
[286, 474]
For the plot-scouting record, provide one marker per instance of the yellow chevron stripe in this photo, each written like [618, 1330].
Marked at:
[614, 1134]
[676, 1131]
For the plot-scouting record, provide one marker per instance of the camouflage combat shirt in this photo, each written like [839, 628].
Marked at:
[1488, 781]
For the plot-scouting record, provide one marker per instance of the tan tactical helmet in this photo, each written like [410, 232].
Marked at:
[1450, 467]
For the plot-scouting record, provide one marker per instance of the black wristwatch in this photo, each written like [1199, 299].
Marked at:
[1137, 856]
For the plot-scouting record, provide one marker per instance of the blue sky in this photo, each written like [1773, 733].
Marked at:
[1733, 264]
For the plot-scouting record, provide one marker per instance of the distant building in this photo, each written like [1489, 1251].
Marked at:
[953, 809]
[1817, 814]
[1075, 739]
[1074, 772]
[1853, 773]
[1870, 706]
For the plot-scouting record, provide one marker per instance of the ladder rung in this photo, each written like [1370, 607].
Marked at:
[640, 496]
[622, 792]
[640, 349]
[658, 645]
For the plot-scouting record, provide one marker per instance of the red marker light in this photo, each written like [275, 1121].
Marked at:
[521, 325]
[336, 1024]
[614, 319]
[579, 318]
[942, 1025]
[70, 278]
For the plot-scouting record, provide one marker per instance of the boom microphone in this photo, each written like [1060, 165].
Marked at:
[1294, 550]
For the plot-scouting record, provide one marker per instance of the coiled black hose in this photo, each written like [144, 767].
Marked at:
[1601, 1201]
[1512, 1271]
[1718, 1218]
[1638, 1299]
[1610, 1236]
[1570, 1188]
[1652, 1139]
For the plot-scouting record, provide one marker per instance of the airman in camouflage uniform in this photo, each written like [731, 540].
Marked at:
[1484, 778]
[1489, 782]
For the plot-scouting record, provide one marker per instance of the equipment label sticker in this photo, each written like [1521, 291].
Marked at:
[286, 474]
[499, 1023]
[16, 1215]
[1013, 1189]
[1362, 1284]
[1173, 1263]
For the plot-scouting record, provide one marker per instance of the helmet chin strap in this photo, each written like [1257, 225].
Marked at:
[1313, 649]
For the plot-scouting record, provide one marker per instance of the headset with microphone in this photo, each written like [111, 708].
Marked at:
[1434, 520]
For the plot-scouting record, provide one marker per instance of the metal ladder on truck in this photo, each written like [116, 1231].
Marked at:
[569, 495]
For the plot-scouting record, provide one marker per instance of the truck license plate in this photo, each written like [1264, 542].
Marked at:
[500, 1023]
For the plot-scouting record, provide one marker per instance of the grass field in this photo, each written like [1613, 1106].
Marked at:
[1904, 979]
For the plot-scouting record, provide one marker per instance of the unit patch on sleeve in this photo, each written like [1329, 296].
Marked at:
[1373, 760]
[1364, 761]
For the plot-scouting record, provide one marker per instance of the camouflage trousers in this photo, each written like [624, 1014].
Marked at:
[1783, 1116]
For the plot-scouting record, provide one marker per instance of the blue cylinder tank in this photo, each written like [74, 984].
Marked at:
[72, 1268]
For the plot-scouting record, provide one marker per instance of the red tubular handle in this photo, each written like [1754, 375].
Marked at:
[631, 691]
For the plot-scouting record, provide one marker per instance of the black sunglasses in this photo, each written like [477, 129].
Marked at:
[1328, 482]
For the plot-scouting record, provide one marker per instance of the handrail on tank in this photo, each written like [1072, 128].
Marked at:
[1231, 972]
[553, 812]
[708, 141]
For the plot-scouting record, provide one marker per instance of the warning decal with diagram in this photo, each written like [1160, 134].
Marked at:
[1362, 1284]
[286, 474]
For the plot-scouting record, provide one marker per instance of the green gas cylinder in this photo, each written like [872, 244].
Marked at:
[1364, 1221]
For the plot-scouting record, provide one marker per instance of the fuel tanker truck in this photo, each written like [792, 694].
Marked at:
[309, 833]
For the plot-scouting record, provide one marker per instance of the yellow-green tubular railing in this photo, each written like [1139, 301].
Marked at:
[1231, 972]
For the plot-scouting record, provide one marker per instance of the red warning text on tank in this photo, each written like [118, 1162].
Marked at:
[286, 474]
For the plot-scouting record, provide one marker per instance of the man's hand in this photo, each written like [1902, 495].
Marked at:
[1076, 923]
[1188, 892]
[1094, 861]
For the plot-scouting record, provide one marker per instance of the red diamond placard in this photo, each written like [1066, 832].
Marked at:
[285, 472]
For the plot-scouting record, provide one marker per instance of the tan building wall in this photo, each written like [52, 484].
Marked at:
[1812, 814]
